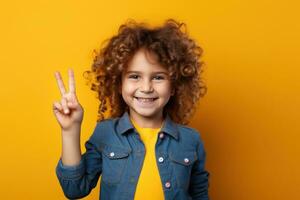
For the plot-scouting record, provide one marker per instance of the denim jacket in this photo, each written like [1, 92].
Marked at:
[116, 152]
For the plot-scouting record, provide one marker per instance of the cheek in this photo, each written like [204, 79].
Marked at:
[127, 89]
[165, 90]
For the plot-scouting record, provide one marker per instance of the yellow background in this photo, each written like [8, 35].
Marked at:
[249, 119]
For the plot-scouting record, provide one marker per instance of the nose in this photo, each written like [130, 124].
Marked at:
[146, 86]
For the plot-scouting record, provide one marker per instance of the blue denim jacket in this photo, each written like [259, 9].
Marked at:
[116, 152]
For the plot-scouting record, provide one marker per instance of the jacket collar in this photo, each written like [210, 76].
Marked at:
[169, 127]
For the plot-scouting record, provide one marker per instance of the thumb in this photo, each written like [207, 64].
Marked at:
[72, 105]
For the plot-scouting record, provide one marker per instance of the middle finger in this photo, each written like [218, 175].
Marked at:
[71, 81]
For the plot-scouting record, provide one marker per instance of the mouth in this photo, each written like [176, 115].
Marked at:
[145, 99]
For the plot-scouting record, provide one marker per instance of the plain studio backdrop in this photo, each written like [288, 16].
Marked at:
[248, 120]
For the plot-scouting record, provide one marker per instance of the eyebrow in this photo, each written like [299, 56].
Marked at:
[139, 72]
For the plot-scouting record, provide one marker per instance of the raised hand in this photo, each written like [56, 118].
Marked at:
[68, 112]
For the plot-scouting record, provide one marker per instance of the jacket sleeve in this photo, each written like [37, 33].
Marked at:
[78, 181]
[199, 184]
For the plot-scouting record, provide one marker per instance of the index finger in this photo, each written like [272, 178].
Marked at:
[71, 81]
[60, 83]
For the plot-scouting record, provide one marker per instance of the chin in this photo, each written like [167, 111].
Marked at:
[145, 113]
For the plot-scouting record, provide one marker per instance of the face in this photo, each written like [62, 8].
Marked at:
[146, 86]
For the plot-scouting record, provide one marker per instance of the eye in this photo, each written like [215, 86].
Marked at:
[133, 76]
[159, 77]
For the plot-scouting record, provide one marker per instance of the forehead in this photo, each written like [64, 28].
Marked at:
[144, 61]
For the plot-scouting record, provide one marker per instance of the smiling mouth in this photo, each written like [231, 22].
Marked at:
[145, 99]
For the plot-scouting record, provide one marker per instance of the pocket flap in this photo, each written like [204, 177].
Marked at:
[114, 152]
[184, 157]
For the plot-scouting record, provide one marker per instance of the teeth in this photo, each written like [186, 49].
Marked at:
[145, 99]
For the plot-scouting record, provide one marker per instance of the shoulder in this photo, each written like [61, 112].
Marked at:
[187, 131]
[190, 135]
[194, 138]
[106, 124]
[103, 130]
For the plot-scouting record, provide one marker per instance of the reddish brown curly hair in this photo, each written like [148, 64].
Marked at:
[175, 50]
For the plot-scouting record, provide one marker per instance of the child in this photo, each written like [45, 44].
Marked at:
[150, 80]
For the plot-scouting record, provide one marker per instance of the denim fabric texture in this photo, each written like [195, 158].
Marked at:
[116, 152]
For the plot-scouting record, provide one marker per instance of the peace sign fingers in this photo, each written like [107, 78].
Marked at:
[61, 85]
[68, 112]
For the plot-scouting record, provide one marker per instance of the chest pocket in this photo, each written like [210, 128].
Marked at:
[182, 163]
[114, 162]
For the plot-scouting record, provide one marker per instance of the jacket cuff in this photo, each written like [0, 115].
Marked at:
[70, 172]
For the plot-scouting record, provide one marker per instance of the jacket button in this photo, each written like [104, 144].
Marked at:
[186, 160]
[161, 135]
[160, 159]
[168, 184]
[112, 154]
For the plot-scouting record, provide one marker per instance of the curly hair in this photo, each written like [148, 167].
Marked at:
[175, 50]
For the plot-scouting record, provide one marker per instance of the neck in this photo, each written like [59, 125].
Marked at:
[148, 122]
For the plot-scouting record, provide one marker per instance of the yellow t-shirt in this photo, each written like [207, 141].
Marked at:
[149, 185]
